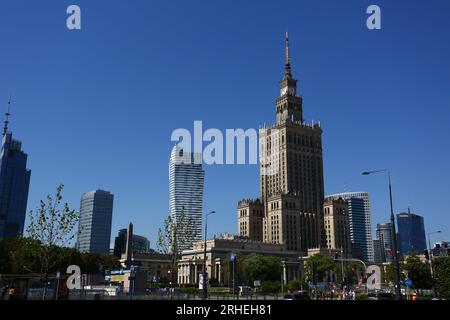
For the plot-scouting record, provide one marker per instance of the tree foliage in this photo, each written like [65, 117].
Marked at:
[227, 271]
[51, 226]
[263, 268]
[418, 272]
[441, 269]
[176, 234]
[16, 257]
[320, 264]
[294, 285]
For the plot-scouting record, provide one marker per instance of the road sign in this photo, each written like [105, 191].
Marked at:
[58, 275]
[408, 282]
[233, 257]
[257, 283]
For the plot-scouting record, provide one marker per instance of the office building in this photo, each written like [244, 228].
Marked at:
[14, 185]
[94, 232]
[337, 227]
[411, 233]
[378, 255]
[441, 248]
[360, 220]
[384, 234]
[186, 184]
[140, 244]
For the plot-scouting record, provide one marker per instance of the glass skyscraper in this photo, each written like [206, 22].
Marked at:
[186, 182]
[94, 232]
[14, 184]
[360, 220]
[411, 233]
[384, 234]
[140, 244]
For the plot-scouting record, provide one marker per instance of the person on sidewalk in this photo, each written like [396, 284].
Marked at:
[11, 293]
[4, 290]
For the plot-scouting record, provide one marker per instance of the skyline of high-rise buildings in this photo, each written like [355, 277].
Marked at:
[94, 225]
[14, 184]
[186, 187]
[293, 150]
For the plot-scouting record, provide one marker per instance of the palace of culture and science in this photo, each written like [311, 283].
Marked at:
[289, 210]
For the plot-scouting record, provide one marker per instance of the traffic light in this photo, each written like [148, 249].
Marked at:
[427, 255]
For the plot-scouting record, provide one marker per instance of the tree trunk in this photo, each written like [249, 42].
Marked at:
[45, 286]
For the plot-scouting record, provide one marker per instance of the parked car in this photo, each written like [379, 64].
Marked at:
[303, 296]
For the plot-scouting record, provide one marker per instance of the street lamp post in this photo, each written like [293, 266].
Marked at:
[393, 235]
[170, 283]
[205, 289]
[430, 255]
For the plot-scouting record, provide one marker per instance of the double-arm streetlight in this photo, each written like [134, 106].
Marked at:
[398, 292]
[205, 289]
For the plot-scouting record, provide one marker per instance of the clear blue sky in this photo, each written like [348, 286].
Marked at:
[95, 108]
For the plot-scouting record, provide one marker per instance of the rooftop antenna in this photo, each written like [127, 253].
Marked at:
[7, 114]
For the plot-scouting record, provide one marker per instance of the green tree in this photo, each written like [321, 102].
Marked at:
[176, 233]
[321, 263]
[16, 256]
[270, 287]
[227, 271]
[418, 272]
[294, 285]
[51, 226]
[94, 263]
[441, 269]
[263, 268]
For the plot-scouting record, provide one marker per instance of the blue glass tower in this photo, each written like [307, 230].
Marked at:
[14, 184]
[411, 233]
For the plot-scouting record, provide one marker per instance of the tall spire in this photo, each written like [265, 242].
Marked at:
[287, 66]
[7, 114]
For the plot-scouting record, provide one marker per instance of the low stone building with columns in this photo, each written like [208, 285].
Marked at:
[219, 249]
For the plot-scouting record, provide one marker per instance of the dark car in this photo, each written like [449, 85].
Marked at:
[297, 296]
[381, 296]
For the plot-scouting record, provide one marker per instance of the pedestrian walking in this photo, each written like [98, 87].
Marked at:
[11, 293]
[4, 290]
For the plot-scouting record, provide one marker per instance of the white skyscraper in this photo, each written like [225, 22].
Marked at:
[360, 219]
[186, 182]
